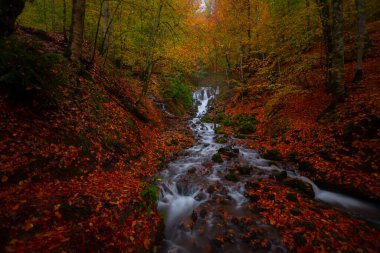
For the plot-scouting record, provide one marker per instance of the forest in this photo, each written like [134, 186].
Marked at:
[189, 126]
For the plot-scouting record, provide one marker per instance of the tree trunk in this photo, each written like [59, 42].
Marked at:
[150, 57]
[9, 11]
[337, 72]
[249, 32]
[53, 15]
[361, 37]
[97, 31]
[77, 27]
[106, 23]
[107, 41]
[45, 16]
[324, 12]
[308, 14]
[64, 21]
[241, 62]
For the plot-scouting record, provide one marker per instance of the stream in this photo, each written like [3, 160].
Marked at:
[195, 198]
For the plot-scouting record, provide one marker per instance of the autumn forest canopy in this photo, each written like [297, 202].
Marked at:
[189, 125]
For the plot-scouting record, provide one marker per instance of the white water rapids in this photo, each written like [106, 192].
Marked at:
[195, 194]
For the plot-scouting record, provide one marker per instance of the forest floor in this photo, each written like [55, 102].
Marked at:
[339, 150]
[78, 159]
[77, 155]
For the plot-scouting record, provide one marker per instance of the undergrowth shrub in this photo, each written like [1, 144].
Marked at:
[273, 154]
[177, 94]
[245, 124]
[27, 74]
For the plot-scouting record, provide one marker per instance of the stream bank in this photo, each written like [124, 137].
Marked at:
[222, 197]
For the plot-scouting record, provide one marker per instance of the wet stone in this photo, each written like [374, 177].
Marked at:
[192, 171]
[228, 152]
[204, 210]
[203, 213]
[194, 216]
[211, 189]
[231, 177]
[244, 170]
[201, 196]
[217, 158]
[253, 197]
[280, 176]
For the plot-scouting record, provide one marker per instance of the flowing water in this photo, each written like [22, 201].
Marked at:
[199, 204]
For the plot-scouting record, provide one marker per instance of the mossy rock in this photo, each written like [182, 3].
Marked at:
[217, 158]
[273, 154]
[300, 186]
[219, 130]
[246, 128]
[232, 177]
[244, 170]
[281, 176]
[206, 119]
[229, 152]
[221, 140]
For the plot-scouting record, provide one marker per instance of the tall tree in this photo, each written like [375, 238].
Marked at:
[9, 11]
[337, 63]
[361, 37]
[149, 61]
[324, 13]
[53, 15]
[64, 21]
[97, 30]
[77, 29]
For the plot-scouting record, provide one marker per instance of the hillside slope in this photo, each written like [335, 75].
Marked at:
[338, 149]
[77, 155]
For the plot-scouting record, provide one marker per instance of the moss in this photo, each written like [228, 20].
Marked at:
[232, 177]
[174, 142]
[245, 124]
[150, 194]
[27, 75]
[281, 176]
[219, 130]
[176, 93]
[300, 186]
[221, 140]
[217, 158]
[279, 127]
[229, 152]
[206, 119]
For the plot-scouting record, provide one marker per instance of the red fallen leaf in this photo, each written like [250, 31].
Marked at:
[58, 215]
[28, 226]
[146, 243]
[4, 179]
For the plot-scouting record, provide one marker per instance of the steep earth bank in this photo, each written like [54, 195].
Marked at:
[338, 149]
[77, 155]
